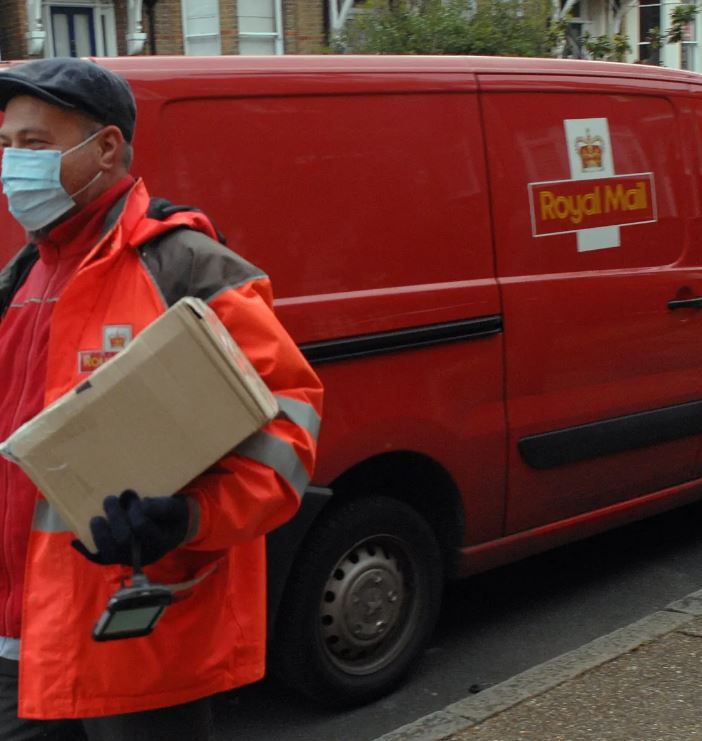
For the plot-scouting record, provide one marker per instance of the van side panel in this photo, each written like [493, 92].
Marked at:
[370, 213]
[337, 193]
[592, 214]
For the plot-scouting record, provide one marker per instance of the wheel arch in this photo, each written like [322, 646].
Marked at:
[403, 475]
[417, 480]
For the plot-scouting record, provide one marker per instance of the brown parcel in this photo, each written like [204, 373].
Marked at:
[178, 398]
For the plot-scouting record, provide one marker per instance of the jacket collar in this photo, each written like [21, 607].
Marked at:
[129, 215]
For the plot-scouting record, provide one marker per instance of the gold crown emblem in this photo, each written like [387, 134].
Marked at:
[591, 150]
[117, 341]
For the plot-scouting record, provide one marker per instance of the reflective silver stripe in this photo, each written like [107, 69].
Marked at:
[33, 301]
[299, 413]
[278, 455]
[9, 648]
[47, 519]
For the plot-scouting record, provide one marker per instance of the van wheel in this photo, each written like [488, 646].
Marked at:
[360, 604]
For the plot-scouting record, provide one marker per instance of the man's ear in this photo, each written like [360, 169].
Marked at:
[111, 143]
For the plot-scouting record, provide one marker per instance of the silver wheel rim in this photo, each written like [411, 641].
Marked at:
[368, 608]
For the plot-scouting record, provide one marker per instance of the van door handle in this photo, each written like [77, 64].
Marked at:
[685, 303]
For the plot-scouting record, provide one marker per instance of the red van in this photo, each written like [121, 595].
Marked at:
[496, 267]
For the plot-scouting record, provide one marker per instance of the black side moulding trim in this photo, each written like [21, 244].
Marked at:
[401, 339]
[610, 436]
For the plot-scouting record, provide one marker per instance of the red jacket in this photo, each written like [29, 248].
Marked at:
[24, 340]
[213, 639]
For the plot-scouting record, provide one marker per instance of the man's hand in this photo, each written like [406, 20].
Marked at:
[158, 524]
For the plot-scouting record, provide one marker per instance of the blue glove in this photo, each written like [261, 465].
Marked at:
[157, 524]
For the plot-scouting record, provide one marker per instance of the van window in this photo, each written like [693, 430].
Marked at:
[336, 192]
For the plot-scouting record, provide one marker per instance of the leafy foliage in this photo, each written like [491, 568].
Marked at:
[492, 27]
[611, 48]
[680, 17]
[511, 27]
[505, 27]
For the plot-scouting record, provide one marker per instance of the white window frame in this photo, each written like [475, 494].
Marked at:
[186, 35]
[661, 5]
[276, 35]
[103, 20]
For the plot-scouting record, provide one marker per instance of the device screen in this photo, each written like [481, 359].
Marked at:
[128, 620]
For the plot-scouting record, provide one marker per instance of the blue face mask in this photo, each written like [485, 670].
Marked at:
[31, 180]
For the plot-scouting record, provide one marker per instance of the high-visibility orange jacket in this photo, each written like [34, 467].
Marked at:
[213, 637]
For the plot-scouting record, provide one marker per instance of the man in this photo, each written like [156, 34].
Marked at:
[102, 254]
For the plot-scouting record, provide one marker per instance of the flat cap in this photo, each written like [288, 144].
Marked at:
[76, 84]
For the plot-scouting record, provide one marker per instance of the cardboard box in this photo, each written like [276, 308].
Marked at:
[152, 418]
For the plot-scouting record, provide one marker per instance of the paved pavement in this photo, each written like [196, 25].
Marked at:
[640, 683]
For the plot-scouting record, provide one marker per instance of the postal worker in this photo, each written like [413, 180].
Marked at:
[101, 254]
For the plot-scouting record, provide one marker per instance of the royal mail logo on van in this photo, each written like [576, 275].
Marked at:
[561, 206]
[115, 337]
[595, 201]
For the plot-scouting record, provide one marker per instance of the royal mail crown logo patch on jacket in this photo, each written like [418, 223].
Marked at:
[115, 337]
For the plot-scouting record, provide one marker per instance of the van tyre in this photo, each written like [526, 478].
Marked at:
[361, 602]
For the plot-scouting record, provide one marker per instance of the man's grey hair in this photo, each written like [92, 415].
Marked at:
[91, 126]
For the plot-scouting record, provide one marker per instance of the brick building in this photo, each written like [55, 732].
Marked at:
[41, 28]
